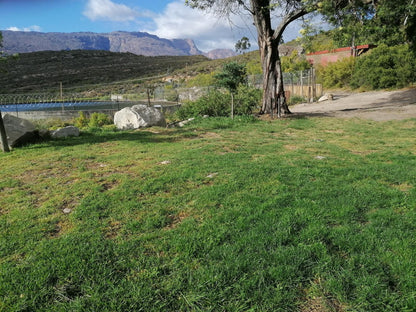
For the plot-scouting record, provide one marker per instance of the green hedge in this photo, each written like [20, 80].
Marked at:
[381, 68]
[385, 67]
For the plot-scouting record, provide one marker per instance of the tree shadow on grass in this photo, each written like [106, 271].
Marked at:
[147, 136]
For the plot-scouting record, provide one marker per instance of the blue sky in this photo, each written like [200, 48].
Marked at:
[166, 19]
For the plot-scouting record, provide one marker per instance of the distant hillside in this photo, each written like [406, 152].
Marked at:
[42, 71]
[139, 43]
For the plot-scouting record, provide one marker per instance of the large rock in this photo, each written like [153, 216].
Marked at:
[19, 131]
[65, 132]
[326, 97]
[139, 116]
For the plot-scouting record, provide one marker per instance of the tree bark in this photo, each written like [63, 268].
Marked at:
[274, 99]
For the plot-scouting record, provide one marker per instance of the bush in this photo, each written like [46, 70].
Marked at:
[382, 68]
[98, 120]
[385, 67]
[81, 121]
[214, 104]
[337, 74]
[217, 103]
[296, 99]
[246, 100]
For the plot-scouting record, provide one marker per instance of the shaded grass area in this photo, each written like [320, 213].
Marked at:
[292, 215]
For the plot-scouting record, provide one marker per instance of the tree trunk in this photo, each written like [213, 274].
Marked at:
[274, 100]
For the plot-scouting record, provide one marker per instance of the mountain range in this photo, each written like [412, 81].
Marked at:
[140, 43]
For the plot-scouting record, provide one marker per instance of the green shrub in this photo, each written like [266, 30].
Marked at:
[296, 99]
[98, 120]
[385, 67]
[217, 103]
[381, 68]
[214, 104]
[246, 100]
[337, 74]
[81, 121]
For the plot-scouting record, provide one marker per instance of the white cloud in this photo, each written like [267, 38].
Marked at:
[207, 30]
[30, 28]
[108, 10]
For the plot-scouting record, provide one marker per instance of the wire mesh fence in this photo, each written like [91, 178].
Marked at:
[302, 84]
[298, 83]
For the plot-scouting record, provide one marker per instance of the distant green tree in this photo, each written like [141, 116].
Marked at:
[232, 75]
[242, 45]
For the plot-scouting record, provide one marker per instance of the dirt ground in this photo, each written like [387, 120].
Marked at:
[374, 105]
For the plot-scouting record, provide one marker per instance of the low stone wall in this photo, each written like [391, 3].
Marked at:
[62, 115]
[68, 115]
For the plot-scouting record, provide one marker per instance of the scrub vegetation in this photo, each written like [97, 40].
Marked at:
[306, 214]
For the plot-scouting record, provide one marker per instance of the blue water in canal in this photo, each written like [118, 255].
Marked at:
[57, 106]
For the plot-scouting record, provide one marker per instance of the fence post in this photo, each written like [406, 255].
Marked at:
[301, 83]
[313, 84]
[3, 136]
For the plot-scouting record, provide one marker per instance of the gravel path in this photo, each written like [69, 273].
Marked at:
[375, 105]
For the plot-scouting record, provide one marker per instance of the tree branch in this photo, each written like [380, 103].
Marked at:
[245, 6]
[289, 18]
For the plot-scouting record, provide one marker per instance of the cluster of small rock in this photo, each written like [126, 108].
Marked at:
[21, 131]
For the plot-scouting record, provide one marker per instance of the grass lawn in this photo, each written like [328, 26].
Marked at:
[314, 214]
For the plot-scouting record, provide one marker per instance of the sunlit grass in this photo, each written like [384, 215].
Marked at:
[222, 215]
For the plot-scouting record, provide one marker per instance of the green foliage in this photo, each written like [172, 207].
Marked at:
[81, 121]
[98, 120]
[51, 124]
[242, 45]
[246, 100]
[232, 75]
[385, 67]
[317, 41]
[296, 99]
[202, 80]
[217, 103]
[388, 22]
[381, 68]
[294, 63]
[337, 74]
[254, 67]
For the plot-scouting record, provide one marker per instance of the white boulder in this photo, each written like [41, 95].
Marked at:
[326, 97]
[65, 132]
[139, 116]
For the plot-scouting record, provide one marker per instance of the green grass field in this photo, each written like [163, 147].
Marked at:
[309, 214]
